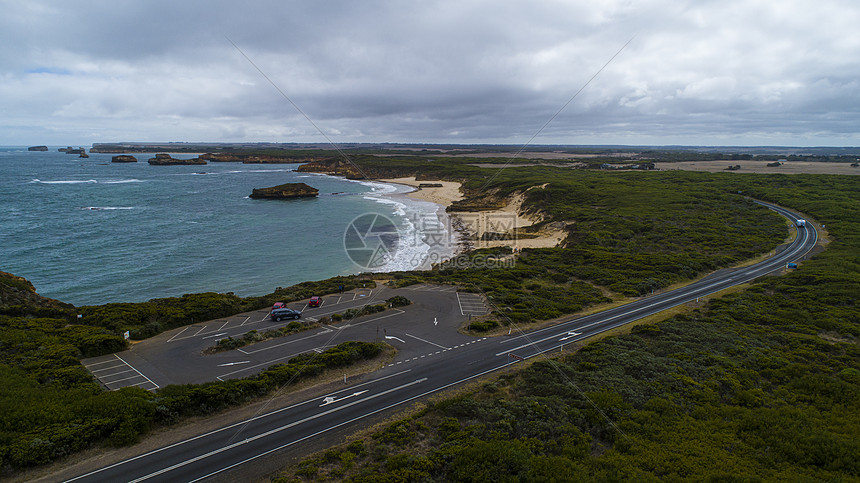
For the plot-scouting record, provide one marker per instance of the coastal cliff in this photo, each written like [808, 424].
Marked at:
[163, 159]
[18, 291]
[256, 158]
[334, 167]
[285, 191]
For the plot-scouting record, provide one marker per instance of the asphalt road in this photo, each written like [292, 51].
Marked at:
[229, 453]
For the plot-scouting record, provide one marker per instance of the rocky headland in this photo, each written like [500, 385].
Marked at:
[285, 191]
[256, 158]
[163, 159]
[18, 292]
[334, 167]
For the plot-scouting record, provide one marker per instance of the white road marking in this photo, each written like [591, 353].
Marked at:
[124, 379]
[214, 335]
[141, 374]
[330, 399]
[107, 368]
[569, 335]
[233, 363]
[177, 335]
[427, 341]
[395, 338]
[100, 362]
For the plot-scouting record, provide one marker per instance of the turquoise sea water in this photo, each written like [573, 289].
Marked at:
[88, 231]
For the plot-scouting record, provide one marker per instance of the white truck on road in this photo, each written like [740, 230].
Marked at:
[800, 223]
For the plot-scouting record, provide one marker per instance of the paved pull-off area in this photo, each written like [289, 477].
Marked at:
[425, 328]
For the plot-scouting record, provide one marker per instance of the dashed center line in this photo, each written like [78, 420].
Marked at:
[434, 353]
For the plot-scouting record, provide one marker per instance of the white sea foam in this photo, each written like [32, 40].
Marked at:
[122, 181]
[65, 181]
[107, 208]
[88, 181]
[258, 171]
[420, 225]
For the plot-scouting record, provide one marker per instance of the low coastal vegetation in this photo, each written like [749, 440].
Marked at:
[762, 383]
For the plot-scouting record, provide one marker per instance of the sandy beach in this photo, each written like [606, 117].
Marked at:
[476, 224]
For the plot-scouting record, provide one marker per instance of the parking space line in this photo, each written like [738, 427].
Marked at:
[199, 331]
[177, 335]
[124, 379]
[106, 368]
[119, 372]
[100, 362]
[129, 365]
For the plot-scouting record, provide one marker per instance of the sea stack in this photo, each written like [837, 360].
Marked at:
[163, 159]
[123, 158]
[285, 191]
[37, 148]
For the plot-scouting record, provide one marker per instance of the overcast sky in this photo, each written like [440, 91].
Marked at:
[702, 72]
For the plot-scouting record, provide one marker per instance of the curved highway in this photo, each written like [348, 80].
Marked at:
[228, 453]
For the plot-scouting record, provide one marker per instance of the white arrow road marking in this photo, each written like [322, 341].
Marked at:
[330, 399]
[395, 338]
[435, 322]
[569, 335]
[214, 335]
[233, 363]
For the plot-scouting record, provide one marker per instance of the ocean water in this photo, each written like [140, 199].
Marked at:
[88, 231]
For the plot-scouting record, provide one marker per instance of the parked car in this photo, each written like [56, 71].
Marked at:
[278, 305]
[284, 313]
[315, 301]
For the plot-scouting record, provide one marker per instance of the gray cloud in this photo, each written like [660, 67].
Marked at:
[728, 72]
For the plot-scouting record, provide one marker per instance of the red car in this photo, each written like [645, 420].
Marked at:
[315, 301]
[278, 305]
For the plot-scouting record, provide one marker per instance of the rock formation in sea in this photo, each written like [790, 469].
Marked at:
[163, 159]
[37, 148]
[285, 191]
[123, 158]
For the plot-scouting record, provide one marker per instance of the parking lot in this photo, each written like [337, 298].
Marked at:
[114, 373]
[179, 356]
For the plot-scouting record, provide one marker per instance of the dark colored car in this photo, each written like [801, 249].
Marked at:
[284, 313]
[315, 301]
